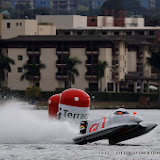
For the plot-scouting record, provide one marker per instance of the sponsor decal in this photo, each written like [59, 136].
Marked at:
[72, 112]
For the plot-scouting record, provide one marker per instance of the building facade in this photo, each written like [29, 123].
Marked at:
[89, 39]
[126, 60]
[63, 6]
[24, 2]
[96, 3]
[148, 3]
[77, 21]
[13, 28]
[1, 18]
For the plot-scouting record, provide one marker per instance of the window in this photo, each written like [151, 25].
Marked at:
[141, 33]
[123, 112]
[79, 33]
[16, 24]
[37, 84]
[93, 86]
[8, 25]
[129, 33]
[93, 20]
[20, 58]
[20, 69]
[20, 24]
[151, 33]
[116, 33]
[110, 86]
[104, 33]
[66, 33]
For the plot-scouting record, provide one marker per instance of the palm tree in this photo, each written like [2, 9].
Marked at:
[71, 70]
[4, 66]
[32, 71]
[154, 61]
[100, 67]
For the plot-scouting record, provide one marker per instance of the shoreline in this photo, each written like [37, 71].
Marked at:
[110, 105]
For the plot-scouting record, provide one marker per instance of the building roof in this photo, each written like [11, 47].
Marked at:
[128, 39]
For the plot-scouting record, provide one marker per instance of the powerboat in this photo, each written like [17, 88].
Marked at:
[117, 127]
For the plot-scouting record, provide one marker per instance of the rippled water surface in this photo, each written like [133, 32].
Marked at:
[29, 135]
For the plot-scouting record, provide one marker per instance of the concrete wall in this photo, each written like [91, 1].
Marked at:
[80, 81]
[46, 30]
[100, 20]
[18, 27]
[48, 80]
[105, 54]
[79, 21]
[147, 68]
[134, 22]
[1, 18]
[60, 21]
[122, 58]
[14, 76]
[132, 61]
[108, 21]
[31, 27]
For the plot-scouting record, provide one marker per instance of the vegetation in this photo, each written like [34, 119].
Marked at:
[33, 93]
[32, 72]
[100, 67]
[5, 63]
[154, 61]
[72, 71]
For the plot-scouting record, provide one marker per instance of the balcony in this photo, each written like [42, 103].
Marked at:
[115, 53]
[90, 76]
[33, 78]
[93, 52]
[89, 63]
[139, 67]
[61, 76]
[115, 75]
[62, 52]
[59, 63]
[30, 62]
[115, 63]
[139, 55]
[33, 52]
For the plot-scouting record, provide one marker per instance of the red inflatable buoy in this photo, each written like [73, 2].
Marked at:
[74, 104]
[53, 103]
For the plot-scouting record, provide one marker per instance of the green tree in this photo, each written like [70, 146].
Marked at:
[32, 71]
[33, 93]
[154, 61]
[72, 71]
[100, 67]
[5, 63]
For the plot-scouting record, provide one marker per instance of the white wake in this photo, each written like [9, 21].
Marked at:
[21, 125]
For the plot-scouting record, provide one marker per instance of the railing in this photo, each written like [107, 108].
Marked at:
[115, 63]
[91, 76]
[62, 52]
[115, 53]
[115, 75]
[34, 77]
[60, 63]
[61, 76]
[33, 52]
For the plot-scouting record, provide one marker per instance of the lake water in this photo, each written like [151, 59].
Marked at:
[29, 135]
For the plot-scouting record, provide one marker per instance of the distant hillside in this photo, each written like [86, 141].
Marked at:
[132, 7]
